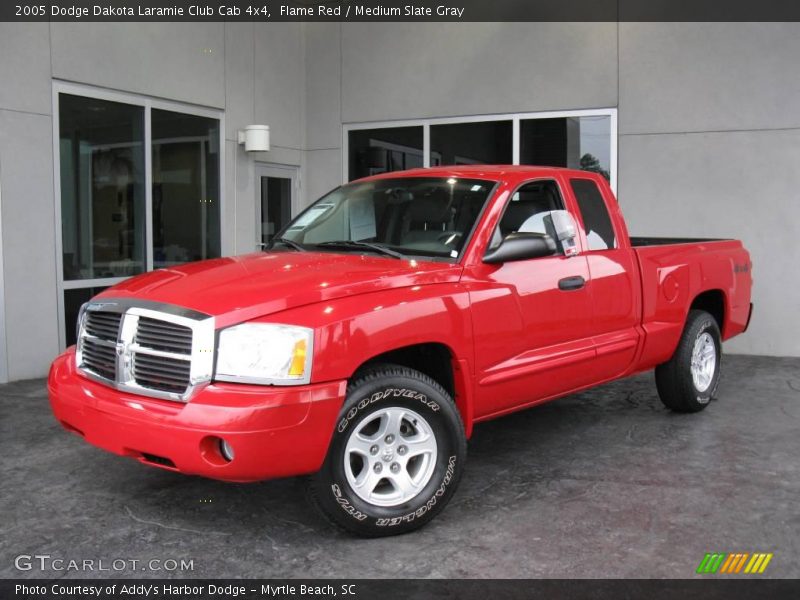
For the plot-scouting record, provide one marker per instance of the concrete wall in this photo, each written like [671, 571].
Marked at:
[709, 125]
[361, 72]
[254, 72]
[28, 211]
[709, 120]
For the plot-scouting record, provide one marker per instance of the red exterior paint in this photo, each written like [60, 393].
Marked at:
[262, 424]
[514, 337]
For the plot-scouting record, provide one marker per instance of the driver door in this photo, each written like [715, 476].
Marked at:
[531, 318]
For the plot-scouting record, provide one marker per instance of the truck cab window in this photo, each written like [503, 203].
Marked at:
[596, 220]
[529, 210]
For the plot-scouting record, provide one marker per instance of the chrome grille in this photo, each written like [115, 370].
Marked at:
[163, 335]
[103, 325]
[168, 369]
[146, 348]
[100, 358]
[99, 353]
[160, 373]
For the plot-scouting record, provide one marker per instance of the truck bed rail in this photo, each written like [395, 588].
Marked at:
[638, 242]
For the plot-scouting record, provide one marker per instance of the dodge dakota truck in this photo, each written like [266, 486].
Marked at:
[384, 322]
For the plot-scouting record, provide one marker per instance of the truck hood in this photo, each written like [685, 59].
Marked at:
[240, 288]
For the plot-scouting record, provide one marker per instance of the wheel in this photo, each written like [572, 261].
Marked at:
[396, 455]
[688, 381]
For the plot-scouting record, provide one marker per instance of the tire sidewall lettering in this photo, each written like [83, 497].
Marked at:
[431, 502]
[344, 423]
[352, 416]
[345, 504]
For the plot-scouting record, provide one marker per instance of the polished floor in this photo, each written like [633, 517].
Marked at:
[601, 484]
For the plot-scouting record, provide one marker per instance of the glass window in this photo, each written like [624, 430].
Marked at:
[419, 216]
[484, 143]
[276, 205]
[102, 188]
[529, 211]
[573, 142]
[373, 151]
[185, 188]
[596, 220]
[104, 200]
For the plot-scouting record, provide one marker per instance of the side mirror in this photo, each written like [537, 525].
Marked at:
[566, 231]
[521, 246]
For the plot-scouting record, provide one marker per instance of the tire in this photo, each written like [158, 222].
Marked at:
[683, 387]
[396, 456]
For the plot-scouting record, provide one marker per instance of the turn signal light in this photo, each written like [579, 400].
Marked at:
[298, 364]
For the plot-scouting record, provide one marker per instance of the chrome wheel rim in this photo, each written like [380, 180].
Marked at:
[390, 456]
[704, 362]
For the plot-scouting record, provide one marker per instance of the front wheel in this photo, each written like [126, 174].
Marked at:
[396, 455]
[688, 381]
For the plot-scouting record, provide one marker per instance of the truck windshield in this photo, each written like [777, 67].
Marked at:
[424, 216]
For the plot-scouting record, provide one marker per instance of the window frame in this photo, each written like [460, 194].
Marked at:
[515, 118]
[147, 103]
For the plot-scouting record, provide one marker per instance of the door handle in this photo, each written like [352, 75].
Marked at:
[571, 283]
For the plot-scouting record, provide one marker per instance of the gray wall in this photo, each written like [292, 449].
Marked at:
[254, 72]
[709, 125]
[709, 120]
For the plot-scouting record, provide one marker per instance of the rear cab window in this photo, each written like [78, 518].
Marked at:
[597, 224]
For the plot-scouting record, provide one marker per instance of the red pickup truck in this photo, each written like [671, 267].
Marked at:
[384, 322]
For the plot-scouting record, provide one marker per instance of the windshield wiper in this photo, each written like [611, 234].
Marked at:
[288, 242]
[368, 245]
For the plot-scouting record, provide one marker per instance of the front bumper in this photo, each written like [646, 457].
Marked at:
[274, 431]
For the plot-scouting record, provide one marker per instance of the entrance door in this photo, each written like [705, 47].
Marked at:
[276, 188]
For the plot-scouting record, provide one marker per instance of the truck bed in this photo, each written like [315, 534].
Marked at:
[639, 242]
[674, 272]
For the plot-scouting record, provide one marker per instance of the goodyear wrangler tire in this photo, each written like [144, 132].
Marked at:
[688, 381]
[396, 455]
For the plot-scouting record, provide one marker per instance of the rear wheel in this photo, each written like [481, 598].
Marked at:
[396, 455]
[688, 381]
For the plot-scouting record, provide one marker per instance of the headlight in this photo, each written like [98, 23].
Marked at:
[265, 353]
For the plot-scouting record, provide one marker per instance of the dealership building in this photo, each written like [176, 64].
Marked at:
[120, 143]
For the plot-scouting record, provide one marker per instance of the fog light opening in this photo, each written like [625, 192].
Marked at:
[226, 450]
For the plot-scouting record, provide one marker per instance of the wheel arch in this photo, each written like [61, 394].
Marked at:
[714, 302]
[439, 362]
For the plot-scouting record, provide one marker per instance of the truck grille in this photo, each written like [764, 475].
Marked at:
[100, 359]
[163, 353]
[159, 373]
[104, 325]
[99, 347]
[163, 335]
